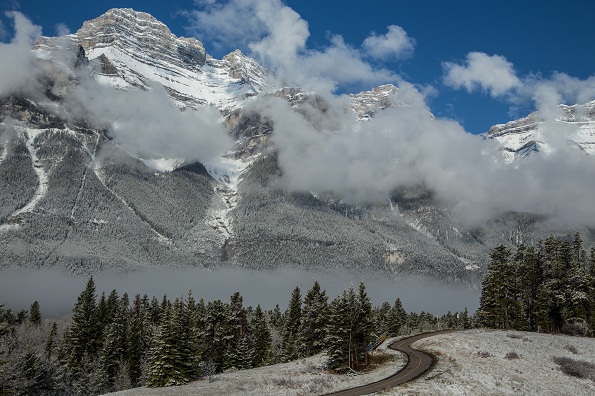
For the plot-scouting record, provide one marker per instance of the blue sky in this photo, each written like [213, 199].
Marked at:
[534, 38]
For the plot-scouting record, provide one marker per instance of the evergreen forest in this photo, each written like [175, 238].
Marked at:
[549, 288]
[112, 342]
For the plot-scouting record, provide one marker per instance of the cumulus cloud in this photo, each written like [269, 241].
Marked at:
[277, 36]
[403, 145]
[17, 66]
[149, 124]
[394, 44]
[493, 74]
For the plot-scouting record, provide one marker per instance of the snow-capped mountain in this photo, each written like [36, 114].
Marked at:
[71, 196]
[519, 138]
[130, 49]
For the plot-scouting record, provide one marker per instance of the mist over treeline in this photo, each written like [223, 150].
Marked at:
[56, 291]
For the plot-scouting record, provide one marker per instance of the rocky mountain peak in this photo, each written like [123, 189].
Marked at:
[521, 137]
[366, 103]
[138, 31]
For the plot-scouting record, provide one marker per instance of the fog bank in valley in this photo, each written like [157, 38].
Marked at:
[57, 292]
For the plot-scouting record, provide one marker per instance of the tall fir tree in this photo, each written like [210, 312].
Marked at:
[291, 329]
[313, 321]
[397, 318]
[365, 324]
[83, 337]
[337, 348]
[35, 314]
[262, 339]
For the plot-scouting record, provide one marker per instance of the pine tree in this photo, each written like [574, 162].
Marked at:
[381, 319]
[262, 339]
[237, 329]
[365, 325]
[291, 330]
[313, 321]
[50, 343]
[136, 338]
[465, 321]
[215, 335]
[84, 334]
[172, 359]
[337, 349]
[245, 354]
[112, 354]
[35, 314]
[397, 318]
[277, 317]
[499, 301]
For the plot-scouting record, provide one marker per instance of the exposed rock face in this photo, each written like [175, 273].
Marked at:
[139, 32]
[367, 103]
[521, 137]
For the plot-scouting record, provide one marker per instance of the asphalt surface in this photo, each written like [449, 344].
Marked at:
[418, 363]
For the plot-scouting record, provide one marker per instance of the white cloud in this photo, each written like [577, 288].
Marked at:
[25, 31]
[148, 122]
[493, 74]
[394, 44]
[17, 66]
[404, 145]
[277, 36]
[62, 29]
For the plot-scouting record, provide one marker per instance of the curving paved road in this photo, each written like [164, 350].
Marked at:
[418, 362]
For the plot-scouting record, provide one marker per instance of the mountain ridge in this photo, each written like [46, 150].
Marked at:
[82, 199]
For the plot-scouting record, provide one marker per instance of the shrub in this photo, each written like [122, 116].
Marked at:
[571, 348]
[512, 355]
[577, 327]
[576, 368]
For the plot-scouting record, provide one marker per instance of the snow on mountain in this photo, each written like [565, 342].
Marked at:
[130, 49]
[519, 138]
[367, 103]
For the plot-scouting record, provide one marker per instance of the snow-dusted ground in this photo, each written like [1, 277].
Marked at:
[475, 362]
[228, 172]
[301, 377]
[472, 362]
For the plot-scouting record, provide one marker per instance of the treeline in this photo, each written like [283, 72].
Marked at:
[548, 288]
[111, 343]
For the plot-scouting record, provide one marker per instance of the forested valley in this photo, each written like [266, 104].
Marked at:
[112, 342]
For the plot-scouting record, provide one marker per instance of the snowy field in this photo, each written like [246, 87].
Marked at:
[483, 362]
[473, 362]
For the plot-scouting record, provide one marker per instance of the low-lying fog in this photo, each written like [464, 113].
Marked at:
[57, 292]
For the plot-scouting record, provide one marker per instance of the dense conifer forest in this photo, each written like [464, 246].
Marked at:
[112, 342]
[549, 287]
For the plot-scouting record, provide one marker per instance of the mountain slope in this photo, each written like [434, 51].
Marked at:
[73, 194]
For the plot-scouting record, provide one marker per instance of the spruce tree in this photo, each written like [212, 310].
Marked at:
[172, 359]
[397, 318]
[35, 314]
[499, 301]
[313, 321]
[237, 330]
[215, 335]
[262, 339]
[83, 337]
[291, 330]
[337, 335]
[365, 324]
